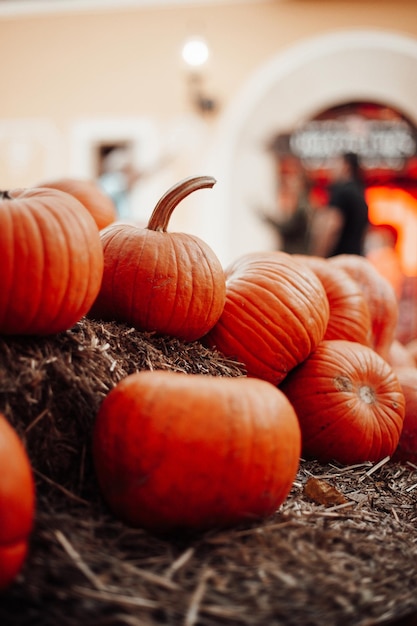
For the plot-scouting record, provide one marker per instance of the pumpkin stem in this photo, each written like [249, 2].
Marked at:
[367, 394]
[164, 208]
[4, 195]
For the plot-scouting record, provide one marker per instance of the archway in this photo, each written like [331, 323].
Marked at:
[311, 75]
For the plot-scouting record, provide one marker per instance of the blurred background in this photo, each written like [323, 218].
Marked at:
[260, 94]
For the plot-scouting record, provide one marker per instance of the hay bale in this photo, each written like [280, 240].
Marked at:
[350, 561]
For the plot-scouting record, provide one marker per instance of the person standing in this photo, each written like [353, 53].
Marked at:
[291, 219]
[119, 177]
[117, 180]
[341, 226]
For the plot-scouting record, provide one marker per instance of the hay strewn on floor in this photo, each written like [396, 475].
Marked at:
[348, 564]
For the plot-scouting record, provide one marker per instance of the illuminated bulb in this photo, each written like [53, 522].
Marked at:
[195, 52]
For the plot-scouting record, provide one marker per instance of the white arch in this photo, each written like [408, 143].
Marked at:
[310, 76]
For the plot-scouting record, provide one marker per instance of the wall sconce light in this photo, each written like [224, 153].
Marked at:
[195, 53]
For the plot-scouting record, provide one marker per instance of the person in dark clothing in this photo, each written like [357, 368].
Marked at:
[293, 230]
[340, 228]
[291, 220]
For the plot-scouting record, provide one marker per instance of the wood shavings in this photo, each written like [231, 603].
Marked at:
[322, 492]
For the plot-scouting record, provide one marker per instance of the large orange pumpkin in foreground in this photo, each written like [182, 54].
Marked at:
[98, 204]
[407, 445]
[177, 451]
[276, 312]
[51, 261]
[380, 296]
[349, 403]
[17, 503]
[158, 281]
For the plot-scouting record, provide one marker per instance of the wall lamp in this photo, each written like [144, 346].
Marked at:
[195, 53]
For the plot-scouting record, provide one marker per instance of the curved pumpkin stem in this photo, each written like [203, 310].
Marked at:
[4, 195]
[164, 208]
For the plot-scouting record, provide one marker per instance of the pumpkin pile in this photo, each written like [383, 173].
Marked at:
[314, 328]
[311, 341]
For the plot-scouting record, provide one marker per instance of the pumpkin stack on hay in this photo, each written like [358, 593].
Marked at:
[340, 548]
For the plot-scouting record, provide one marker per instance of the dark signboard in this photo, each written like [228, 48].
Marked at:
[384, 139]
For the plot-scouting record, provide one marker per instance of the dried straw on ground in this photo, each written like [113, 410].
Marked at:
[346, 556]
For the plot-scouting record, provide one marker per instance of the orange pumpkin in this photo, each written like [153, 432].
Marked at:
[349, 403]
[177, 451]
[380, 296]
[349, 312]
[276, 312]
[411, 346]
[399, 356]
[98, 204]
[407, 445]
[17, 503]
[51, 261]
[169, 283]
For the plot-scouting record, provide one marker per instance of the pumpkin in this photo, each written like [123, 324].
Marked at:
[157, 281]
[190, 452]
[380, 296]
[348, 401]
[407, 445]
[276, 312]
[51, 261]
[17, 503]
[89, 193]
[411, 346]
[349, 312]
[399, 356]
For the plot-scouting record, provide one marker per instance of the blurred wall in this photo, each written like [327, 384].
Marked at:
[73, 78]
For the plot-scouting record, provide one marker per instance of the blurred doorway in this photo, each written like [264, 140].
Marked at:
[386, 142]
[102, 151]
[295, 86]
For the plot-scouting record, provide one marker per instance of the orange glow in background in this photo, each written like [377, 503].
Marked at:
[389, 205]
